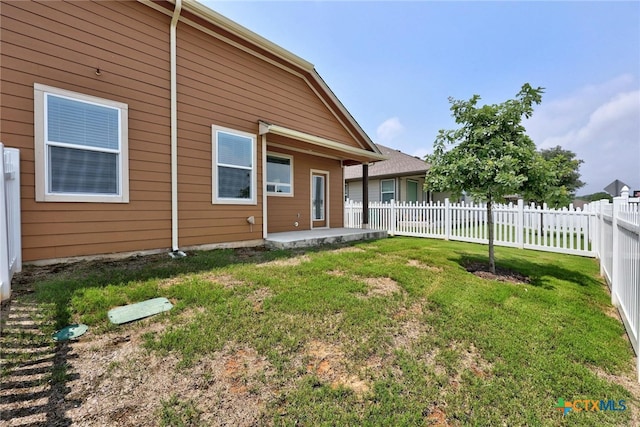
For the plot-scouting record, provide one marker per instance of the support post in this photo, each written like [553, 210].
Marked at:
[365, 195]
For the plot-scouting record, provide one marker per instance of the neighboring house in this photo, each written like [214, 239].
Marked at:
[400, 177]
[147, 125]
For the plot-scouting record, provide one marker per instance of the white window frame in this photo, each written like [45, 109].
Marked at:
[40, 93]
[281, 156]
[253, 200]
[382, 192]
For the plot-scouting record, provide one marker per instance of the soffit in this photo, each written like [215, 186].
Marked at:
[312, 144]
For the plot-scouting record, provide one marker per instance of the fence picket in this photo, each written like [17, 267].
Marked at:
[10, 238]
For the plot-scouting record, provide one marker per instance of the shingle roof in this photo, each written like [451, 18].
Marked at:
[398, 163]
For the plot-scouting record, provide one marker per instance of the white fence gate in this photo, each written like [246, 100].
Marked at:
[10, 243]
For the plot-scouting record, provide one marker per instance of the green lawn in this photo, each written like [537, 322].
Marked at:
[388, 332]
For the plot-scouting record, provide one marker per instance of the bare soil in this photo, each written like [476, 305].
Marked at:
[501, 274]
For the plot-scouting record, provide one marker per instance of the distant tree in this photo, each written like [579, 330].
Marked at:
[596, 196]
[561, 189]
[491, 155]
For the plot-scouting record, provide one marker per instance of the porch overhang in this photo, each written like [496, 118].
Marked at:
[325, 146]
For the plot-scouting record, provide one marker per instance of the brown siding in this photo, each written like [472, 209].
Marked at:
[62, 44]
[219, 84]
[283, 212]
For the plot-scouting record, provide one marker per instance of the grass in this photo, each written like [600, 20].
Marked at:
[411, 338]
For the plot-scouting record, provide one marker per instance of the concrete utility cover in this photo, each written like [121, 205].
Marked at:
[140, 310]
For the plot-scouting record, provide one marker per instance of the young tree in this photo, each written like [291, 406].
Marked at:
[491, 156]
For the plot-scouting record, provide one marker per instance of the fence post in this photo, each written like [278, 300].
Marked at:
[5, 275]
[520, 224]
[347, 212]
[392, 218]
[447, 219]
[601, 247]
[615, 253]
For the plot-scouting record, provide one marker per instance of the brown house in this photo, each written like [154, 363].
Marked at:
[163, 125]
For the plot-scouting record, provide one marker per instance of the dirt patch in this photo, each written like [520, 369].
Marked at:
[328, 363]
[111, 379]
[630, 383]
[415, 310]
[258, 296]
[436, 417]
[336, 273]
[348, 249]
[125, 380]
[381, 286]
[612, 311]
[501, 274]
[470, 360]
[421, 265]
[226, 280]
[408, 333]
[286, 262]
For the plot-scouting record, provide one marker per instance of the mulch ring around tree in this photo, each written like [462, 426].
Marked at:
[502, 274]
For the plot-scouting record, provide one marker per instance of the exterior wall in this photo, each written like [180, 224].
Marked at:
[355, 191]
[284, 211]
[222, 85]
[62, 44]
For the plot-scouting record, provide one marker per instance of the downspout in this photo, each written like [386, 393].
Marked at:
[265, 218]
[174, 132]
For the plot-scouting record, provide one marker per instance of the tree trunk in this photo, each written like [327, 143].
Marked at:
[492, 261]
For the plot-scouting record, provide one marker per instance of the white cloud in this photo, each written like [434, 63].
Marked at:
[600, 123]
[389, 130]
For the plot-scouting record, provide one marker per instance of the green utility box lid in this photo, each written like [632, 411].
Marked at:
[139, 310]
[70, 332]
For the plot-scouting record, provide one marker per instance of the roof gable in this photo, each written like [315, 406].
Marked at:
[214, 24]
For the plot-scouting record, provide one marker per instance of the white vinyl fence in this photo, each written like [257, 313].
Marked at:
[618, 247]
[10, 243]
[610, 232]
[530, 227]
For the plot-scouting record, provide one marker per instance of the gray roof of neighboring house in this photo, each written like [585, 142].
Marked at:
[397, 164]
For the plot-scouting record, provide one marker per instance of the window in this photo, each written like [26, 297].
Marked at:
[234, 160]
[279, 175]
[387, 190]
[81, 147]
[318, 197]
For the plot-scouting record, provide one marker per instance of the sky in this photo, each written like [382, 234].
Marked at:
[394, 65]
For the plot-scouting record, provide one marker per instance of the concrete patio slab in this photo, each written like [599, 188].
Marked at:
[321, 236]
